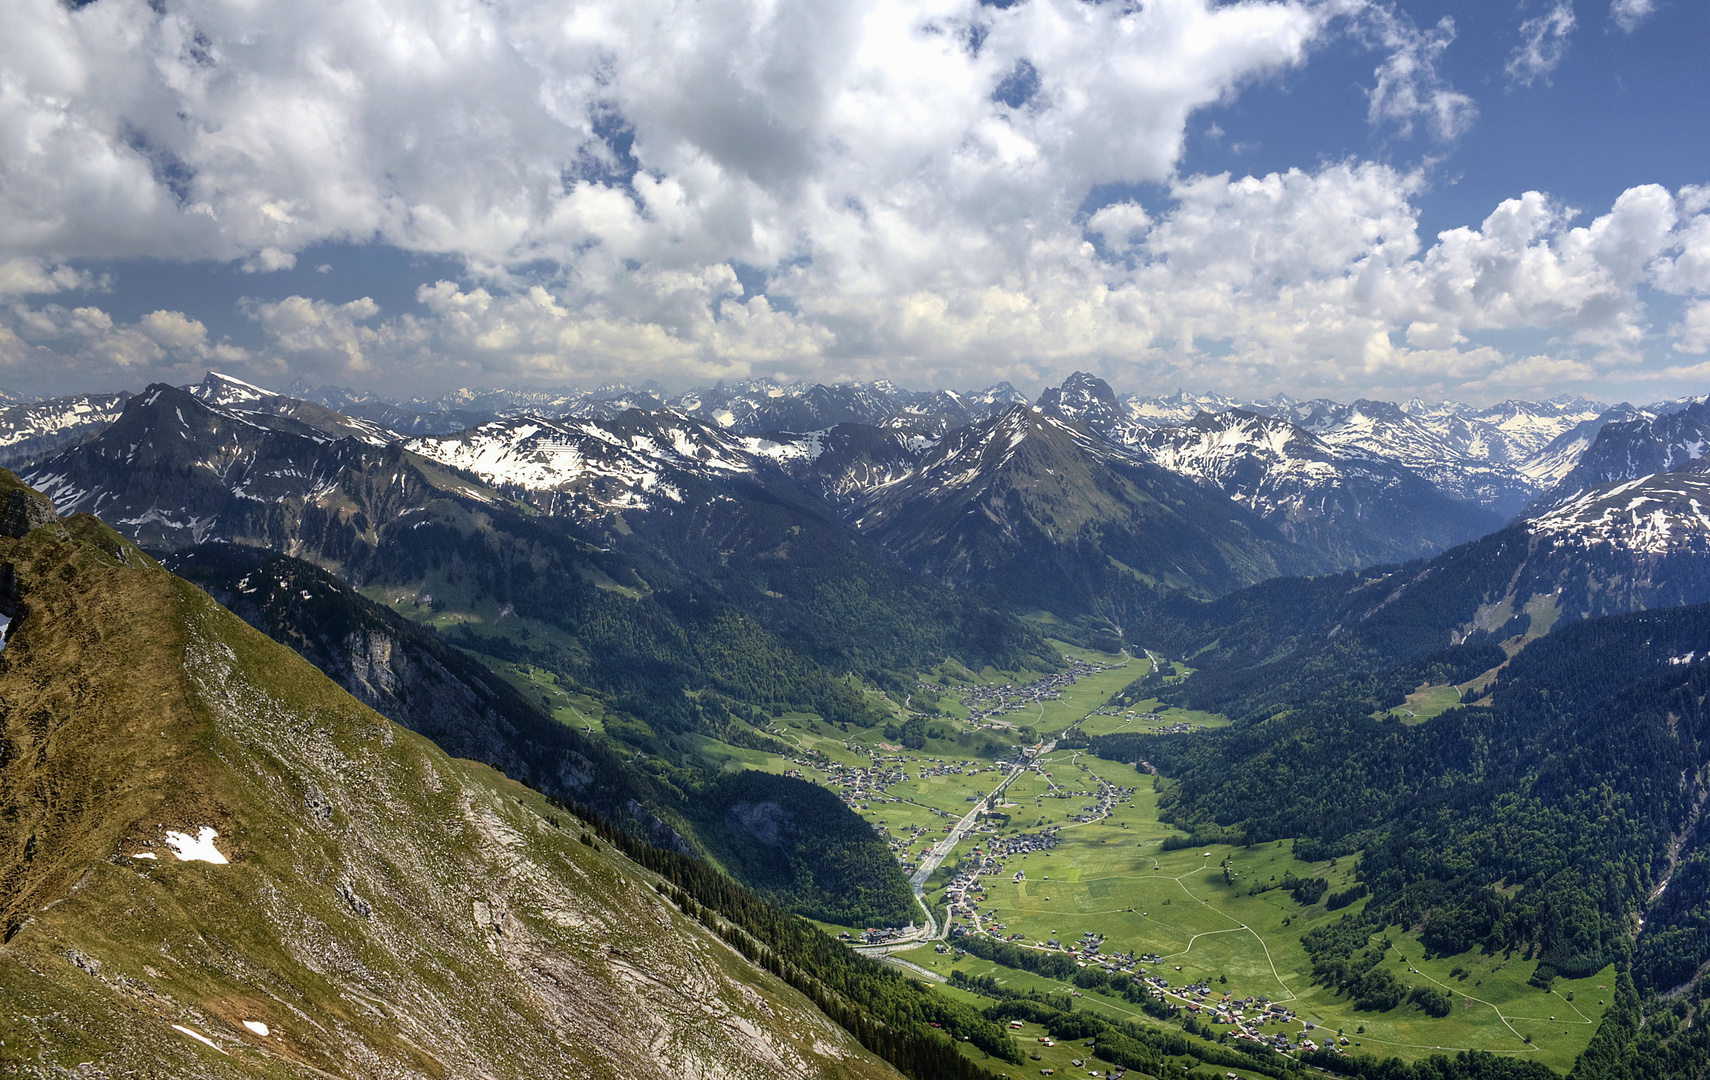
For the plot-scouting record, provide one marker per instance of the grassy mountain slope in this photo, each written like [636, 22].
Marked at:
[386, 910]
[825, 862]
[414, 677]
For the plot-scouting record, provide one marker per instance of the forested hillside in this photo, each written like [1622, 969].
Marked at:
[1547, 820]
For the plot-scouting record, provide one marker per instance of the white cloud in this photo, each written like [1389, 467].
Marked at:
[1120, 225]
[1692, 334]
[88, 341]
[863, 134]
[1409, 87]
[323, 330]
[88, 333]
[1628, 14]
[1290, 280]
[173, 330]
[1543, 43]
[912, 221]
[26, 276]
[1687, 271]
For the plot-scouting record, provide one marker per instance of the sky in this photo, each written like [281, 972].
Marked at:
[1318, 197]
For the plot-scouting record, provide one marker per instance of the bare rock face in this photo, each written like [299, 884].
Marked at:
[22, 508]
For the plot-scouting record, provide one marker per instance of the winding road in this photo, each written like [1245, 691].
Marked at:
[916, 935]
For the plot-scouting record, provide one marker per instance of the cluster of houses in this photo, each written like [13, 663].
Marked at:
[902, 845]
[1176, 728]
[1104, 800]
[862, 785]
[964, 893]
[1247, 1014]
[875, 935]
[1128, 715]
[988, 704]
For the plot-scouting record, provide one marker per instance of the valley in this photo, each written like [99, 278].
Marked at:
[821, 540]
[1082, 721]
[1085, 837]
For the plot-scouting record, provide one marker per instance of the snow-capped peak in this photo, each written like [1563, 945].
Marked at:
[224, 390]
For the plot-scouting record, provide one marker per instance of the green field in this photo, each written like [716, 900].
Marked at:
[1195, 908]
[1427, 702]
[1112, 878]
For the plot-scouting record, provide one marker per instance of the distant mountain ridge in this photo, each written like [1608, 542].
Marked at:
[1500, 457]
[1636, 445]
[1095, 494]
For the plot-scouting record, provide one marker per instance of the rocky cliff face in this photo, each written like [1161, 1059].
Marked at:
[215, 863]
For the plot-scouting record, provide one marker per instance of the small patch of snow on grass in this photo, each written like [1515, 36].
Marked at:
[256, 1026]
[145, 855]
[199, 848]
[197, 1036]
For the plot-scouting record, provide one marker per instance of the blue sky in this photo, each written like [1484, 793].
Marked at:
[1341, 197]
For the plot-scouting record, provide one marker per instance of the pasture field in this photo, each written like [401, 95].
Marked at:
[1427, 702]
[1210, 913]
[1030, 1038]
[1196, 909]
[1169, 716]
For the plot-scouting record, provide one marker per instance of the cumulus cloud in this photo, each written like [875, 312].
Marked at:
[910, 179]
[88, 334]
[1543, 43]
[325, 331]
[1120, 224]
[871, 136]
[26, 276]
[87, 340]
[1628, 14]
[1692, 334]
[173, 330]
[1289, 279]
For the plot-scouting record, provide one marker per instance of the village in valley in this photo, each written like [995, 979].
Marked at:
[1016, 834]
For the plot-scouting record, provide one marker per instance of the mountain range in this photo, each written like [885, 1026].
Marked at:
[596, 603]
[1245, 493]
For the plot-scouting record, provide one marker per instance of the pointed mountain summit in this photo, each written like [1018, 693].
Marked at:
[1350, 508]
[1631, 448]
[1056, 517]
[1083, 398]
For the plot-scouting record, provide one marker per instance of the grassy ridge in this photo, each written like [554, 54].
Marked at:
[382, 902]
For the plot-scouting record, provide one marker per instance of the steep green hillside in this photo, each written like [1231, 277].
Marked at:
[373, 907]
[411, 675]
[824, 862]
